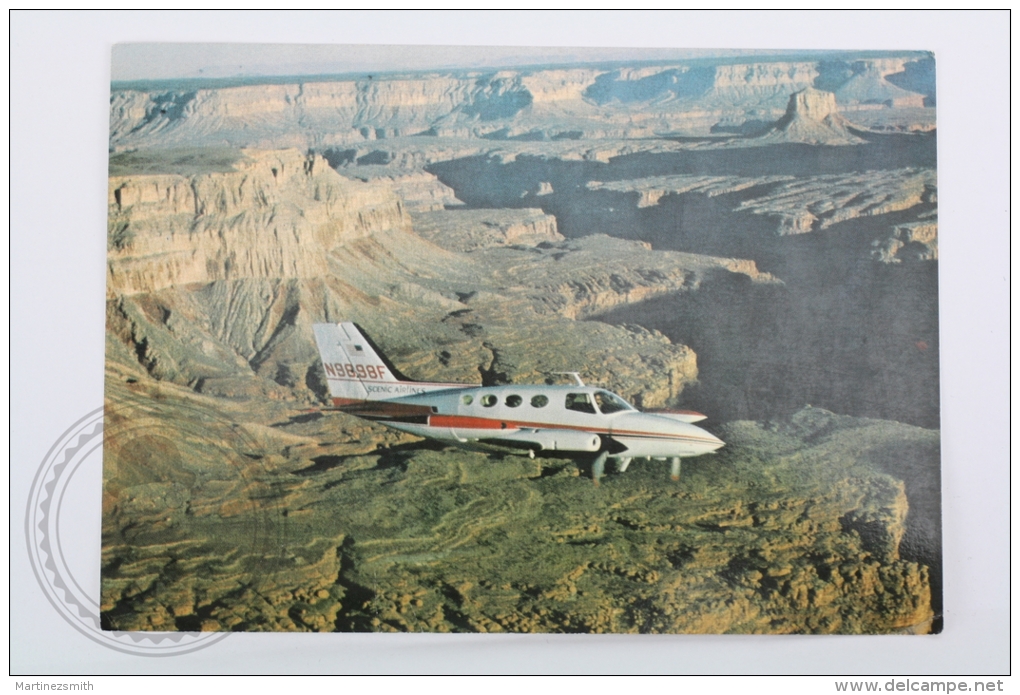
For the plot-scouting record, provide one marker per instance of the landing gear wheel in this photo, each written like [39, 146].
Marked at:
[598, 469]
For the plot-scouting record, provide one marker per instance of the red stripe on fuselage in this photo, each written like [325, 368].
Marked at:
[464, 422]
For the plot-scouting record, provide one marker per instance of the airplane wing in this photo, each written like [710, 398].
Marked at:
[681, 415]
[546, 440]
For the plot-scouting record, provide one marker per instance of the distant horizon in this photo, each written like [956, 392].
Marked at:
[141, 63]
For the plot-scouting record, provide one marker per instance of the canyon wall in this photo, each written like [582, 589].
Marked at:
[564, 103]
[690, 235]
[277, 215]
[215, 278]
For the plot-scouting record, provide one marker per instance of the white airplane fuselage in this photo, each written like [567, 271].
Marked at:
[460, 416]
[574, 419]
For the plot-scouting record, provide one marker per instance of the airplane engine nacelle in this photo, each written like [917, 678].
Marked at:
[679, 415]
[556, 440]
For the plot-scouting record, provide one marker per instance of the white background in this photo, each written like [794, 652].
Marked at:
[60, 70]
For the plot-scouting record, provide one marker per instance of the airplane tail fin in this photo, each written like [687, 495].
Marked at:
[354, 370]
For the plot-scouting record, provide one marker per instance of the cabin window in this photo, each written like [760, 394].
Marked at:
[513, 401]
[539, 401]
[467, 399]
[610, 402]
[489, 400]
[581, 402]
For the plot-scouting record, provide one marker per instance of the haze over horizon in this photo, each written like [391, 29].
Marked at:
[169, 61]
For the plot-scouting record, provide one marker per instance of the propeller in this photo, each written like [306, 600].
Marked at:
[576, 375]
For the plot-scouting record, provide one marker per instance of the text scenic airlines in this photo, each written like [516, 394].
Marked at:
[571, 420]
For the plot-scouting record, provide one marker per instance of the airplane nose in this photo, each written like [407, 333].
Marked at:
[712, 442]
[659, 436]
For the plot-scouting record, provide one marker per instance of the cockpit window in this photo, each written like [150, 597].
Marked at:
[610, 402]
[489, 400]
[581, 402]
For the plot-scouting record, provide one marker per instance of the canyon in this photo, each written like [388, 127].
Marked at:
[756, 240]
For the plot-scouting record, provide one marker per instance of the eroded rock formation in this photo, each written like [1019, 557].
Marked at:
[275, 215]
[533, 104]
[214, 521]
[483, 227]
[812, 118]
[799, 205]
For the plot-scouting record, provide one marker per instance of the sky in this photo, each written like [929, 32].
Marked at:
[162, 61]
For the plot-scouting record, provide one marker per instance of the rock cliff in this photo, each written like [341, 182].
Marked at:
[418, 190]
[868, 86]
[800, 205]
[812, 118]
[216, 278]
[276, 215]
[532, 104]
[492, 227]
[470, 230]
[914, 241]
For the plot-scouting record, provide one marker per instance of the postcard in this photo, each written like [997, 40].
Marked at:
[558, 341]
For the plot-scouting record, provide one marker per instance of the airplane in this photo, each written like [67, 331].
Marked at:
[567, 420]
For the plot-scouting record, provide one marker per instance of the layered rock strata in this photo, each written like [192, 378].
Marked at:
[275, 215]
[232, 501]
[533, 103]
[800, 205]
[812, 118]
[216, 278]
